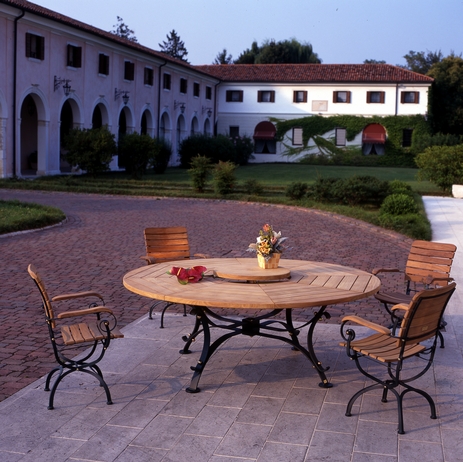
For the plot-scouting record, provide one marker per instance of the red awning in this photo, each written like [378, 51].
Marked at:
[374, 134]
[265, 131]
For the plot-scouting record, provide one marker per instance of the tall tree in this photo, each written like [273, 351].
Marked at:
[422, 61]
[223, 58]
[282, 52]
[374, 61]
[174, 46]
[122, 30]
[446, 96]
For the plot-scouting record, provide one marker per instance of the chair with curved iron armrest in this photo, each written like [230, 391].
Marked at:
[420, 322]
[93, 330]
[428, 266]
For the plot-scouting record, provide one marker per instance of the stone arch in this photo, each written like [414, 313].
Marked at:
[33, 140]
[194, 129]
[147, 122]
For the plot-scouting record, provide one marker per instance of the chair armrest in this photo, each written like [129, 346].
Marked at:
[365, 323]
[430, 280]
[85, 311]
[385, 270]
[149, 260]
[400, 306]
[201, 255]
[59, 298]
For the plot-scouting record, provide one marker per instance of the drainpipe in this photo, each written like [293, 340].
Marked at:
[215, 107]
[396, 98]
[159, 100]
[15, 60]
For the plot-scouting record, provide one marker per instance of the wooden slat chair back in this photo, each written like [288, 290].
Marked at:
[94, 329]
[166, 244]
[430, 263]
[421, 323]
[428, 266]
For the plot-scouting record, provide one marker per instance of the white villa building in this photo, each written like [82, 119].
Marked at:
[57, 73]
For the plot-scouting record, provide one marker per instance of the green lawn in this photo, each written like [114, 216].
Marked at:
[176, 182]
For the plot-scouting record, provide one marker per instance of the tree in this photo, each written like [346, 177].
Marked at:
[422, 62]
[446, 96]
[174, 46]
[122, 30]
[282, 52]
[223, 58]
[373, 61]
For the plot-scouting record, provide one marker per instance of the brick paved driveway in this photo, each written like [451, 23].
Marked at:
[102, 239]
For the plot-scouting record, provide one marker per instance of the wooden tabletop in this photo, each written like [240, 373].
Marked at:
[310, 284]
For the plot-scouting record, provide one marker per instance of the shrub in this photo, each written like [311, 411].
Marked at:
[414, 225]
[224, 177]
[200, 171]
[398, 185]
[162, 155]
[361, 190]
[441, 165]
[399, 204]
[90, 149]
[322, 189]
[135, 152]
[296, 190]
[252, 186]
[244, 147]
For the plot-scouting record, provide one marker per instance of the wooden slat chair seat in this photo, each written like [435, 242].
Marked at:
[420, 322]
[167, 244]
[94, 335]
[428, 266]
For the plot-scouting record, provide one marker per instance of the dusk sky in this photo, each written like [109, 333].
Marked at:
[340, 31]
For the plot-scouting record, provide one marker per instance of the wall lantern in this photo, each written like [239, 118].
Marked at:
[208, 110]
[66, 87]
[179, 104]
[124, 93]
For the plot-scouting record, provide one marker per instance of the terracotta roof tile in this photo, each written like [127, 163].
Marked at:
[314, 73]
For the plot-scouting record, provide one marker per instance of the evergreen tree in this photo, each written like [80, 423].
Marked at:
[422, 62]
[174, 46]
[223, 58]
[122, 30]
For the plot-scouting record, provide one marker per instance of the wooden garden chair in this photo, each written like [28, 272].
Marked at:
[90, 329]
[167, 244]
[428, 266]
[420, 322]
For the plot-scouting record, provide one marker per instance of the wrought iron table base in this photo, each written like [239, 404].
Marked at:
[261, 326]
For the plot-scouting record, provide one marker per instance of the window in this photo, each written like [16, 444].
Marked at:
[410, 97]
[74, 58]
[299, 96]
[407, 137]
[340, 136]
[341, 96]
[209, 93]
[375, 97]
[196, 89]
[234, 96]
[148, 76]
[234, 131]
[129, 70]
[183, 85]
[103, 64]
[35, 46]
[297, 136]
[266, 96]
[166, 81]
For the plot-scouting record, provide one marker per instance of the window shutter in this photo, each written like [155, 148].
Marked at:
[402, 97]
[382, 97]
[335, 96]
[78, 57]
[417, 97]
[28, 45]
[41, 47]
[272, 96]
[297, 136]
[368, 97]
[348, 96]
[259, 97]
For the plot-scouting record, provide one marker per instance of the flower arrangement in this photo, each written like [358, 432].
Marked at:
[268, 242]
[188, 275]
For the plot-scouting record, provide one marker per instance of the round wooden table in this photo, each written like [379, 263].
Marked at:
[240, 283]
